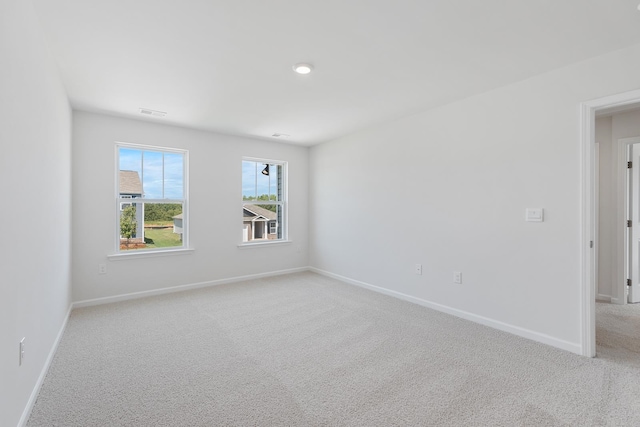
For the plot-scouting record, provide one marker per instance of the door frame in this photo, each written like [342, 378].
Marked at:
[588, 212]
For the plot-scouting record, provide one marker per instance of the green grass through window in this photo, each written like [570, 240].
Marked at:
[161, 238]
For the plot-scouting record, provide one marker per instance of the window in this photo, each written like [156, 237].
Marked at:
[263, 200]
[151, 198]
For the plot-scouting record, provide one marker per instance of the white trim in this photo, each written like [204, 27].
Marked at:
[596, 234]
[144, 200]
[264, 160]
[587, 224]
[587, 217]
[246, 203]
[255, 244]
[515, 330]
[149, 253]
[43, 373]
[604, 298]
[151, 147]
[180, 288]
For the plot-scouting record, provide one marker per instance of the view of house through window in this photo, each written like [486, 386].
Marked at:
[151, 198]
[263, 200]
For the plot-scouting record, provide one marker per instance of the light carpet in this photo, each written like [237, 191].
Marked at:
[306, 350]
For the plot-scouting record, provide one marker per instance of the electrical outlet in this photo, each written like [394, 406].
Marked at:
[457, 277]
[102, 268]
[21, 354]
[419, 269]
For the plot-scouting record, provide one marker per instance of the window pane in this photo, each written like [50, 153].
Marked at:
[152, 181]
[150, 225]
[163, 225]
[173, 175]
[260, 222]
[161, 174]
[261, 181]
[130, 159]
[131, 226]
[275, 174]
[248, 180]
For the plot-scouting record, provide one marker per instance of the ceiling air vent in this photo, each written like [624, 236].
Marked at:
[153, 113]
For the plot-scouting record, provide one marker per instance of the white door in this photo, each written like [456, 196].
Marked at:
[634, 230]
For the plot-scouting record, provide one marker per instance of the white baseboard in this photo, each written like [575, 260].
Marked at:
[516, 330]
[603, 298]
[180, 288]
[43, 373]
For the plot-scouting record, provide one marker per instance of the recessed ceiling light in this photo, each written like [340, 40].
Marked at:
[154, 113]
[303, 68]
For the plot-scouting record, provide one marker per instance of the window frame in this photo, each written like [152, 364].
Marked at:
[283, 225]
[133, 200]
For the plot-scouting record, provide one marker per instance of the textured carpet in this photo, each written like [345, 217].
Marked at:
[618, 333]
[305, 350]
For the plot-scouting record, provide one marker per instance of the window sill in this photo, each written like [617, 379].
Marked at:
[150, 254]
[267, 243]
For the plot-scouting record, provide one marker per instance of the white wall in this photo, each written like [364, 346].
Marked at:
[35, 183]
[610, 266]
[448, 188]
[215, 208]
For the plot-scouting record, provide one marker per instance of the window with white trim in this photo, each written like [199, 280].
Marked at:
[263, 200]
[151, 198]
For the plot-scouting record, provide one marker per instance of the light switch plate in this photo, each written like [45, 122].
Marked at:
[534, 214]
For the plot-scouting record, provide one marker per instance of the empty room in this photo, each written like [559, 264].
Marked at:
[440, 213]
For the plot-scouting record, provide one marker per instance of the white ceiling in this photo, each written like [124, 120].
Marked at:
[225, 65]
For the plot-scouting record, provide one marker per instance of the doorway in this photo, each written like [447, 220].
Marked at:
[258, 230]
[592, 252]
[618, 207]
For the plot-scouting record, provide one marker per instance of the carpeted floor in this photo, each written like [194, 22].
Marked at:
[618, 333]
[306, 350]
